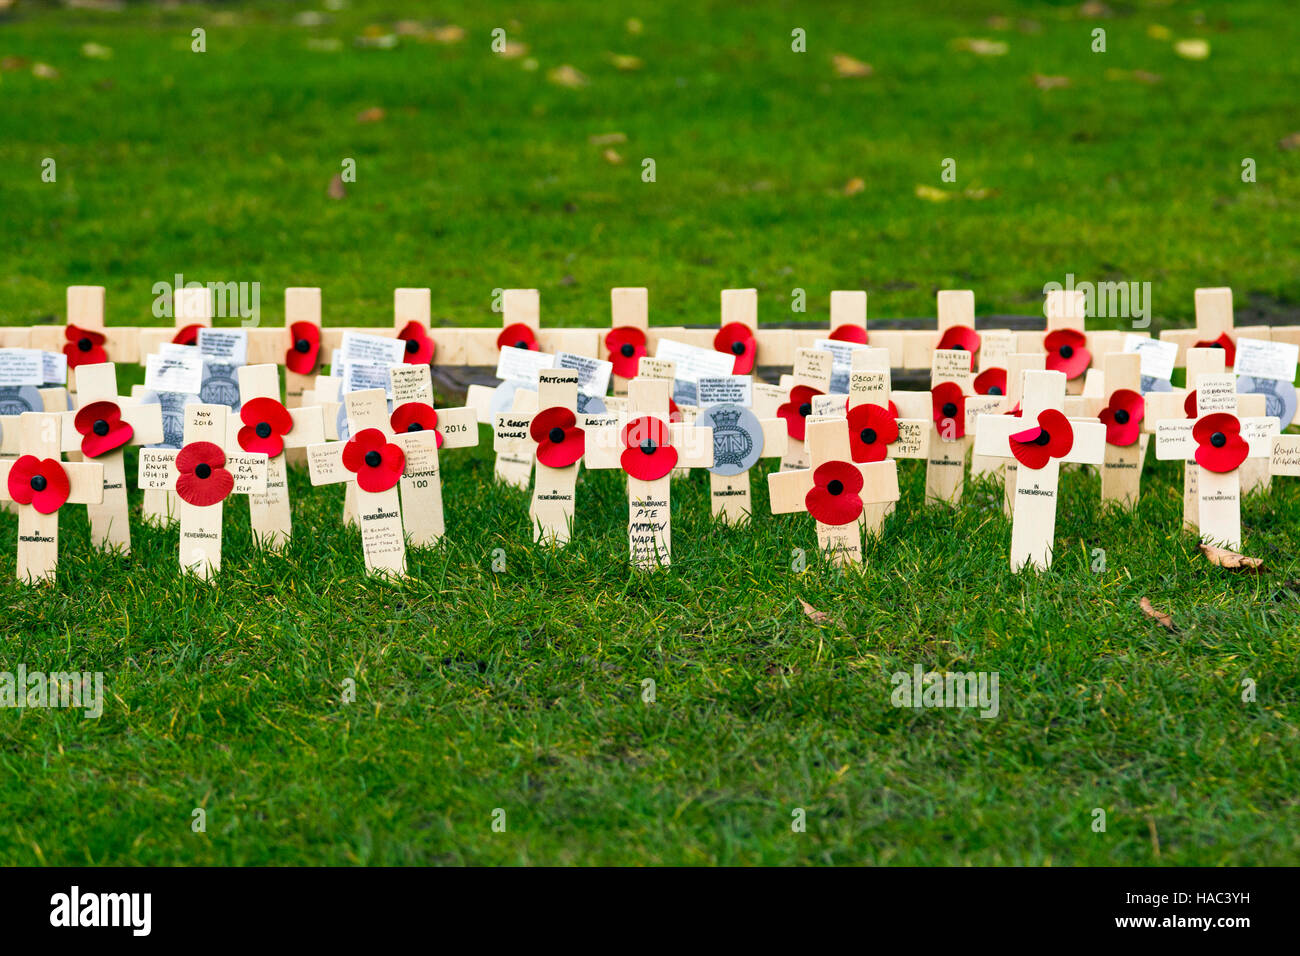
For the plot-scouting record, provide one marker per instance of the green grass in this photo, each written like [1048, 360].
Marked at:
[522, 689]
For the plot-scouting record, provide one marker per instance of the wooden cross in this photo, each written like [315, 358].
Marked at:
[85, 339]
[1066, 340]
[648, 448]
[1017, 364]
[627, 341]
[1216, 444]
[192, 309]
[1181, 403]
[1121, 410]
[203, 475]
[955, 329]
[39, 484]
[555, 434]
[1041, 438]
[870, 401]
[848, 323]
[264, 425]
[810, 377]
[825, 489]
[740, 438]
[521, 328]
[100, 429]
[1214, 328]
[302, 342]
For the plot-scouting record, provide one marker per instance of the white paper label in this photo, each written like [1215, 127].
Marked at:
[1261, 359]
[54, 368]
[593, 374]
[182, 373]
[371, 349]
[725, 390]
[1155, 358]
[21, 367]
[522, 365]
[228, 346]
[692, 362]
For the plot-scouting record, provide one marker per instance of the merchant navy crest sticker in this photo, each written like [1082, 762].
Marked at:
[737, 438]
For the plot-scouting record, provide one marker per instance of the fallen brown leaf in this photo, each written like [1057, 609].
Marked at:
[337, 190]
[448, 34]
[567, 75]
[372, 115]
[1230, 559]
[625, 62]
[607, 139]
[813, 613]
[1161, 618]
[1290, 142]
[1044, 82]
[612, 157]
[854, 186]
[846, 67]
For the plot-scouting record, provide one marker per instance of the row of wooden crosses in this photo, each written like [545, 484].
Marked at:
[837, 452]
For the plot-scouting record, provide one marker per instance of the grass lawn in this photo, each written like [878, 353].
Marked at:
[523, 689]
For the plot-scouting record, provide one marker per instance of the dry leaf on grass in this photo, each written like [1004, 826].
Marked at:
[1192, 49]
[1044, 82]
[1161, 618]
[625, 62]
[448, 34]
[813, 613]
[930, 194]
[854, 186]
[512, 50]
[612, 157]
[568, 76]
[607, 139]
[372, 115]
[337, 190]
[1290, 142]
[981, 47]
[846, 67]
[1230, 559]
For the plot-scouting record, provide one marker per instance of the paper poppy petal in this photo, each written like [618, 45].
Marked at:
[1234, 451]
[737, 338]
[48, 499]
[303, 361]
[358, 445]
[991, 381]
[1189, 404]
[871, 431]
[960, 337]
[205, 491]
[188, 335]
[101, 416]
[555, 417]
[256, 413]
[1122, 417]
[626, 345]
[1027, 451]
[414, 417]
[1224, 341]
[649, 467]
[200, 453]
[1067, 352]
[419, 347]
[793, 410]
[834, 497]
[21, 473]
[84, 347]
[1060, 432]
[518, 336]
[566, 451]
[953, 425]
[849, 333]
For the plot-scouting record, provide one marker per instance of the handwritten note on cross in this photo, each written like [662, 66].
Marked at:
[203, 475]
[1219, 440]
[38, 484]
[1040, 439]
[834, 489]
[648, 448]
[266, 426]
[811, 376]
[100, 429]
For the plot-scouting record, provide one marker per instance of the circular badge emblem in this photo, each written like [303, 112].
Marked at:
[737, 438]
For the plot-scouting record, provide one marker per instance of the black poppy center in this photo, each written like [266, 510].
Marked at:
[100, 427]
[263, 430]
[1218, 439]
[84, 344]
[648, 447]
[627, 349]
[1121, 417]
[995, 390]
[1067, 351]
[959, 348]
[373, 459]
[38, 483]
[805, 409]
[203, 470]
[521, 344]
[556, 435]
[1216, 345]
[302, 345]
[737, 348]
[412, 346]
[415, 427]
[868, 436]
[835, 486]
[949, 409]
[1043, 438]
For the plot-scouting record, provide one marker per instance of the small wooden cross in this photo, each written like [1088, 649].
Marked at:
[555, 434]
[810, 377]
[627, 340]
[1066, 340]
[521, 328]
[826, 490]
[39, 484]
[302, 342]
[1122, 410]
[1214, 328]
[192, 309]
[264, 425]
[1040, 438]
[740, 438]
[955, 330]
[100, 429]
[648, 448]
[1181, 403]
[85, 339]
[1017, 364]
[875, 431]
[1218, 441]
[203, 475]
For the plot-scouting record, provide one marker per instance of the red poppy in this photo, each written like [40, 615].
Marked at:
[675, 415]
[1222, 342]
[737, 338]
[188, 335]
[1189, 404]
[1219, 445]
[1014, 411]
[84, 347]
[649, 452]
[834, 498]
[961, 337]
[849, 333]
[305, 351]
[872, 430]
[101, 427]
[416, 417]
[518, 336]
[39, 482]
[1053, 438]
[204, 478]
[948, 405]
[560, 442]
[1066, 352]
[1122, 417]
[797, 410]
[266, 422]
[419, 347]
[626, 345]
[991, 381]
[377, 463]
